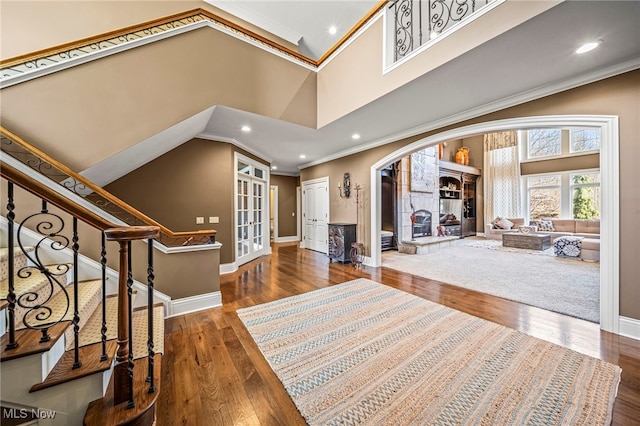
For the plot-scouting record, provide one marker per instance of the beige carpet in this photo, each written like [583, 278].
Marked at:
[364, 353]
[536, 278]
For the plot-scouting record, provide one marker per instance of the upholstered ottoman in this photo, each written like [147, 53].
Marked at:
[578, 247]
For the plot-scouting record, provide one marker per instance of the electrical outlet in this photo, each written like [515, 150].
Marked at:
[214, 219]
[199, 220]
[293, 214]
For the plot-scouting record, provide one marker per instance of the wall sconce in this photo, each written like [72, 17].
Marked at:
[345, 189]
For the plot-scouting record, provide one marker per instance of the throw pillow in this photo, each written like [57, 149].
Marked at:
[496, 222]
[546, 225]
[505, 223]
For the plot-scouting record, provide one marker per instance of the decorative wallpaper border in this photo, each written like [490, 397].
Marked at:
[26, 67]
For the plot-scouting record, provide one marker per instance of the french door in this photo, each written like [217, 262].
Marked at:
[251, 212]
[315, 200]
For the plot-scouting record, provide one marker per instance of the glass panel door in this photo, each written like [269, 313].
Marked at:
[258, 215]
[243, 222]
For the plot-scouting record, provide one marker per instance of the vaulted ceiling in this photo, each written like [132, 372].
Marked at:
[532, 60]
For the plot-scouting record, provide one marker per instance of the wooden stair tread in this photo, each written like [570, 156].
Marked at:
[103, 412]
[91, 364]
[29, 342]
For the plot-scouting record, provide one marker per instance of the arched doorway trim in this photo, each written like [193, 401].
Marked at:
[610, 203]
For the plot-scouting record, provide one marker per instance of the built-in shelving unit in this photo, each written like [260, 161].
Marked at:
[457, 190]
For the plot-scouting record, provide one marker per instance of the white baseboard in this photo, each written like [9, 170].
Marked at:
[190, 304]
[228, 268]
[291, 239]
[629, 327]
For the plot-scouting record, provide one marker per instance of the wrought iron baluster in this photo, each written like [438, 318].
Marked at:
[131, 402]
[150, 277]
[103, 330]
[76, 297]
[11, 295]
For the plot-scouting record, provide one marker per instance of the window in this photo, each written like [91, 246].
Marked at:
[564, 195]
[544, 196]
[585, 195]
[544, 143]
[583, 140]
[541, 144]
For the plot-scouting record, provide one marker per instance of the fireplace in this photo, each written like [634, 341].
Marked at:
[422, 223]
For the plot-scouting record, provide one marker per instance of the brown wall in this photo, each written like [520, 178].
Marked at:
[618, 95]
[176, 275]
[287, 207]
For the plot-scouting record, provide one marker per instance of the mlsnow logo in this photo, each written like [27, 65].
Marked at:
[24, 413]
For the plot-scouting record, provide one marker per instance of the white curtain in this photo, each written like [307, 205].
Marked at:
[501, 176]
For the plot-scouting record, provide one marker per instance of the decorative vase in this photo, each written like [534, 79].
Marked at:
[460, 156]
[465, 150]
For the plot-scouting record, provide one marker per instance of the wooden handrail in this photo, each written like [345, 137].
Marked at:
[51, 196]
[98, 190]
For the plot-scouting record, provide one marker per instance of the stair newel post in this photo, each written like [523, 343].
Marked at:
[150, 277]
[123, 369]
[76, 294]
[122, 392]
[11, 295]
[131, 402]
[103, 330]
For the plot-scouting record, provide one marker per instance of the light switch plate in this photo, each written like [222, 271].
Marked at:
[214, 219]
[199, 220]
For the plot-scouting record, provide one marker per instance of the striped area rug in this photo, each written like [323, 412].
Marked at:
[364, 353]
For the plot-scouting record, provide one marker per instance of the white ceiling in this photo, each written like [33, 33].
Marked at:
[304, 23]
[530, 61]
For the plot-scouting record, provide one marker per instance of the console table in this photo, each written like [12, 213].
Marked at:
[526, 241]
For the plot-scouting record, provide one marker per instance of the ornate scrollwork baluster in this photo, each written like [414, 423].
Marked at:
[404, 28]
[38, 315]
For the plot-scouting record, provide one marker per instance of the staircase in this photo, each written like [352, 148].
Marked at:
[68, 356]
[76, 348]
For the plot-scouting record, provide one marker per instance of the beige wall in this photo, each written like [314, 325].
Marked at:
[354, 78]
[287, 206]
[618, 95]
[52, 23]
[143, 92]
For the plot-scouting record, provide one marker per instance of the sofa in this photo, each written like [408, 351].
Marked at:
[491, 231]
[588, 230]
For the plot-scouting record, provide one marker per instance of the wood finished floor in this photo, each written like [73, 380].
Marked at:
[214, 374]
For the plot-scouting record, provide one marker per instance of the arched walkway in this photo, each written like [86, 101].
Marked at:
[610, 202]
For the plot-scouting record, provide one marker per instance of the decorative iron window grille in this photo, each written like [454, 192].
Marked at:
[418, 21]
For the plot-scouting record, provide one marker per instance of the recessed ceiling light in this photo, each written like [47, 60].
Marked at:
[333, 30]
[245, 128]
[588, 46]
[355, 136]
[303, 156]
[274, 167]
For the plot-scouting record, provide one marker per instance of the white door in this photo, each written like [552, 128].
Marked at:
[252, 214]
[315, 197]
